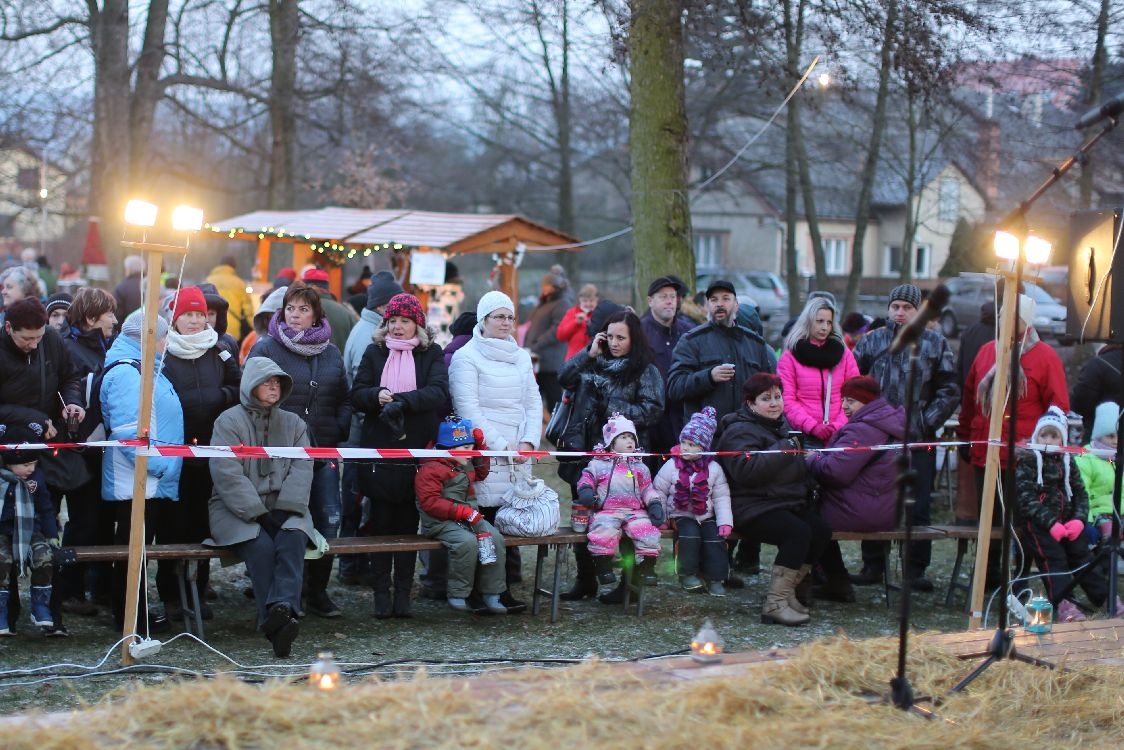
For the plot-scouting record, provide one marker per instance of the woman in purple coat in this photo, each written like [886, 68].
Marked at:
[857, 486]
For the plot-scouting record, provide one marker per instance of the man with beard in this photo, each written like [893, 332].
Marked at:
[710, 362]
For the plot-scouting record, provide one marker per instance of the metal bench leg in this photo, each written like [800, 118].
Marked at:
[185, 607]
[541, 552]
[192, 578]
[556, 591]
[954, 581]
[887, 549]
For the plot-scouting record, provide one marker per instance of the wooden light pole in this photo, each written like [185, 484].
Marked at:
[152, 252]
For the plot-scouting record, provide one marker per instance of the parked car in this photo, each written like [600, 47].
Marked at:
[764, 289]
[968, 291]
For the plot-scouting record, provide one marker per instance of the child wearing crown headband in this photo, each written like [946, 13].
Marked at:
[1051, 508]
[694, 491]
[619, 489]
[449, 514]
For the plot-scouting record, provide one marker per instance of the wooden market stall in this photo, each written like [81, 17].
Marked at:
[330, 236]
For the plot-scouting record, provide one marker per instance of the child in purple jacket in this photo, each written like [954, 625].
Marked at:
[619, 489]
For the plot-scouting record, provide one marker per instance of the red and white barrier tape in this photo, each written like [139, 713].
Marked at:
[366, 454]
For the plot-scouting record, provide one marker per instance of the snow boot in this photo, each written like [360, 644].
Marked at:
[41, 607]
[801, 598]
[603, 564]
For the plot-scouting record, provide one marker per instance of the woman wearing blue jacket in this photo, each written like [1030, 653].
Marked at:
[120, 404]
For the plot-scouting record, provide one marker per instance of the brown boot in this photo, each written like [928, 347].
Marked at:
[802, 595]
[837, 589]
[775, 610]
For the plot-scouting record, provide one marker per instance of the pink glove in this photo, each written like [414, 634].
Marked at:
[1073, 528]
[822, 431]
[725, 531]
[1058, 532]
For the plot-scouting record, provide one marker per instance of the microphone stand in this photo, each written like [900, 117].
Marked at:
[1002, 645]
[901, 692]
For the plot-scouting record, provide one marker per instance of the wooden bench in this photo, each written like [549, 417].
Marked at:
[558, 542]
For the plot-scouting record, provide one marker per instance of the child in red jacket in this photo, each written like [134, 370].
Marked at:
[449, 514]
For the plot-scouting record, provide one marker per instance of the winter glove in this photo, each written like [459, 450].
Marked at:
[822, 432]
[725, 531]
[393, 415]
[269, 524]
[469, 515]
[587, 497]
[1058, 531]
[478, 439]
[657, 513]
[1073, 529]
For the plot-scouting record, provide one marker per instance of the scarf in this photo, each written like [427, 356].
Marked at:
[398, 374]
[692, 487]
[307, 343]
[191, 346]
[24, 525]
[499, 350]
[987, 382]
[1100, 445]
[820, 356]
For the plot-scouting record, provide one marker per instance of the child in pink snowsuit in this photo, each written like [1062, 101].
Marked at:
[619, 489]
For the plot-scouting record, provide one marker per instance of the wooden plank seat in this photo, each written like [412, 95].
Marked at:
[558, 541]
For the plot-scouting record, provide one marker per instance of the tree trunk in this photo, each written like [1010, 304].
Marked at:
[148, 92]
[284, 27]
[563, 116]
[905, 273]
[109, 167]
[658, 140]
[1096, 85]
[870, 165]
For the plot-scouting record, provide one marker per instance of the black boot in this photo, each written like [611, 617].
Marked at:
[382, 604]
[646, 571]
[586, 583]
[616, 596]
[317, 575]
[603, 564]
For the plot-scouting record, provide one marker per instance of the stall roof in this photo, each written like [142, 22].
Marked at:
[354, 228]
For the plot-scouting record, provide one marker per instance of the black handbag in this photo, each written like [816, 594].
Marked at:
[560, 417]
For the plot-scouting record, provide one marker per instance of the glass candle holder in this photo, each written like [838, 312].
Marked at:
[1039, 615]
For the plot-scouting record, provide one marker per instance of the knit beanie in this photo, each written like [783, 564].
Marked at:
[273, 302]
[406, 306]
[1104, 423]
[215, 301]
[862, 388]
[906, 293]
[1054, 418]
[700, 427]
[382, 288]
[316, 277]
[133, 327]
[189, 299]
[287, 274]
[617, 425]
[454, 432]
[855, 322]
[15, 434]
[58, 301]
[491, 302]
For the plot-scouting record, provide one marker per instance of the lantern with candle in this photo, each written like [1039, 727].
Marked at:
[1039, 615]
[707, 645]
[324, 672]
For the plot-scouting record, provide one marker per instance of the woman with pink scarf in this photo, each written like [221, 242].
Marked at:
[401, 388]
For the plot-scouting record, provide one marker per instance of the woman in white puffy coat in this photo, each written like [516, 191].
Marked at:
[493, 385]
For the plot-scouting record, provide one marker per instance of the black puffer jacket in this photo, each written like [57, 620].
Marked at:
[937, 386]
[31, 382]
[1100, 380]
[424, 407]
[327, 411]
[760, 483]
[600, 391]
[207, 386]
[1047, 502]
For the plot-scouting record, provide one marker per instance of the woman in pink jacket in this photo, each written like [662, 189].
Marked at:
[813, 367]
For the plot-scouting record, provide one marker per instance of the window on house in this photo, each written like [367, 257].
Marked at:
[835, 256]
[28, 179]
[948, 202]
[709, 248]
[922, 261]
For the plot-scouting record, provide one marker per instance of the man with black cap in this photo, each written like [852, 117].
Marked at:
[710, 362]
[383, 286]
[937, 395]
[664, 325]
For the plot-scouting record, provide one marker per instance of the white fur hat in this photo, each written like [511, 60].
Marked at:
[617, 425]
[491, 302]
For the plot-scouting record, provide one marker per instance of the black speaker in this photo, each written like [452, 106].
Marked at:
[1096, 277]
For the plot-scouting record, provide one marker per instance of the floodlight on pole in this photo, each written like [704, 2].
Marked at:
[187, 219]
[1006, 246]
[1037, 250]
[140, 213]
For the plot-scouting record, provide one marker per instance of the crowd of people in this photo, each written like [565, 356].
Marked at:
[732, 428]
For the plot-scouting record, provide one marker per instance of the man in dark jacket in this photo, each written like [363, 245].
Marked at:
[937, 394]
[341, 317]
[128, 292]
[1100, 380]
[710, 362]
[542, 338]
[663, 326]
